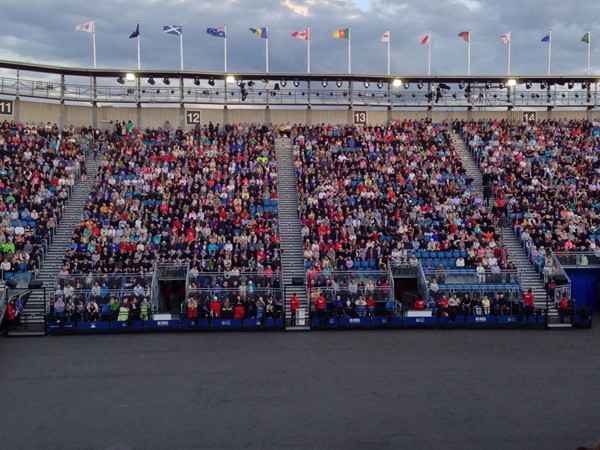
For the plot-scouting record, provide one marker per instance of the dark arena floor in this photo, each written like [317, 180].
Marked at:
[420, 389]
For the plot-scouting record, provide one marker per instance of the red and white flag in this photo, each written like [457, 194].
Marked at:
[426, 39]
[385, 37]
[301, 34]
[87, 27]
[505, 38]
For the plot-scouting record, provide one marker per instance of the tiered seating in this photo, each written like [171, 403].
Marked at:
[36, 174]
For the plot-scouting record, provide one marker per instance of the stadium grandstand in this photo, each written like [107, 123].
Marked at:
[296, 201]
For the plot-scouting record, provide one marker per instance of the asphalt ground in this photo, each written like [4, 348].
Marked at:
[402, 389]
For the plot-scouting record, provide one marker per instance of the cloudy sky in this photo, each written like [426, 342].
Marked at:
[42, 31]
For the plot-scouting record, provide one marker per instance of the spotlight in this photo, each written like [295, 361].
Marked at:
[488, 84]
[296, 82]
[130, 77]
[143, 91]
[197, 81]
[420, 84]
[130, 91]
[239, 83]
[511, 83]
[502, 85]
[229, 79]
[166, 81]
[172, 91]
[151, 81]
[461, 85]
[158, 91]
[338, 83]
[528, 84]
[121, 80]
[211, 81]
[584, 85]
[379, 84]
[276, 86]
[571, 85]
[331, 94]
[250, 83]
[468, 89]
[324, 83]
[522, 95]
[283, 83]
[406, 84]
[367, 83]
[543, 85]
[576, 95]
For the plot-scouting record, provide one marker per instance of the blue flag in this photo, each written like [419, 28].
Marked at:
[218, 32]
[173, 29]
[260, 32]
[136, 33]
[547, 37]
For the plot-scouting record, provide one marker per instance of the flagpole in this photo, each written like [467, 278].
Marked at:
[138, 47]
[181, 44]
[308, 47]
[225, 48]
[469, 55]
[349, 51]
[549, 50]
[429, 64]
[589, 50]
[389, 53]
[94, 43]
[509, 41]
[267, 50]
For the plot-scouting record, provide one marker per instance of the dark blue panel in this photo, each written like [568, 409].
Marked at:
[190, 323]
[508, 319]
[396, 320]
[226, 323]
[53, 326]
[486, 320]
[158, 324]
[102, 325]
[354, 321]
[279, 323]
[119, 325]
[204, 323]
[379, 320]
[136, 324]
[583, 284]
[251, 323]
[420, 320]
[269, 323]
[68, 326]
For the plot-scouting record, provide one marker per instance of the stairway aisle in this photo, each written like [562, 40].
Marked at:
[292, 253]
[33, 314]
[529, 277]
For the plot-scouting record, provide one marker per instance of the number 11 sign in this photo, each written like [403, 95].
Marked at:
[6, 107]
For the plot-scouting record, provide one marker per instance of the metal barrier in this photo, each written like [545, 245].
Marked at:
[176, 271]
[229, 296]
[207, 280]
[576, 259]
[470, 276]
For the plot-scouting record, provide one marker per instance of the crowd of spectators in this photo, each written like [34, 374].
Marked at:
[399, 192]
[545, 176]
[37, 169]
[206, 197]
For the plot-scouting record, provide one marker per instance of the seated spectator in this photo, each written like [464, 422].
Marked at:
[69, 310]
[238, 310]
[419, 303]
[442, 306]
[192, 309]
[215, 308]
[59, 309]
[360, 307]
[93, 311]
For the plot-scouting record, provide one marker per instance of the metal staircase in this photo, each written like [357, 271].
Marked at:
[292, 253]
[530, 279]
[33, 318]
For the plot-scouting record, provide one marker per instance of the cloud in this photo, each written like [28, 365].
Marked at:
[301, 10]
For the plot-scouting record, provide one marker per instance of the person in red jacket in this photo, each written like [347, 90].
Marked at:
[563, 307]
[321, 306]
[215, 308]
[529, 301]
[442, 306]
[419, 303]
[370, 306]
[11, 312]
[294, 306]
[238, 310]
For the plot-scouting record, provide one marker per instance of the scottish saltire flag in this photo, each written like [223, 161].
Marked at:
[176, 30]
[217, 32]
[505, 38]
[260, 32]
[136, 33]
[87, 27]
[548, 37]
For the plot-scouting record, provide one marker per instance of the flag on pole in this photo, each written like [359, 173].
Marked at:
[385, 37]
[136, 33]
[586, 38]
[217, 32]
[344, 33]
[465, 35]
[505, 38]
[548, 37]
[87, 27]
[301, 34]
[426, 39]
[176, 30]
[260, 32]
